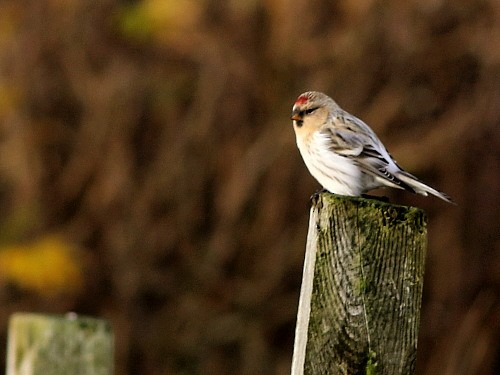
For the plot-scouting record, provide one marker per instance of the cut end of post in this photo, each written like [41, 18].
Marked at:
[392, 213]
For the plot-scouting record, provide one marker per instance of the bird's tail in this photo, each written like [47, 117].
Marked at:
[420, 187]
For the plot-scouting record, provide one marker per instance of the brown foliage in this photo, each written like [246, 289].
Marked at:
[157, 138]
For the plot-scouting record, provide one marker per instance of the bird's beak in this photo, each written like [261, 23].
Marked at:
[296, 117]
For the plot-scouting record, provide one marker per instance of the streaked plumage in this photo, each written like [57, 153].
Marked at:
[343, 153]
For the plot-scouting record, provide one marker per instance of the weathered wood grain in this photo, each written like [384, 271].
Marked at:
[361, 291]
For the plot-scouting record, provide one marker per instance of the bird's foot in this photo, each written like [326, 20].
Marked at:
[314, 198]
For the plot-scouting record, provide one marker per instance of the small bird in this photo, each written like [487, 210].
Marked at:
[343, 153]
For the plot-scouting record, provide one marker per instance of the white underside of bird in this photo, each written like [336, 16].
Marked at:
[335, 173]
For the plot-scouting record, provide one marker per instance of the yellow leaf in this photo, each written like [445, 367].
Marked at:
[47, 266]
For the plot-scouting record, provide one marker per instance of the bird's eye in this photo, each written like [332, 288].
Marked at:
[310, 110]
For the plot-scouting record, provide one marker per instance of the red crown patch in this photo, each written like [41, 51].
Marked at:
[302, 100]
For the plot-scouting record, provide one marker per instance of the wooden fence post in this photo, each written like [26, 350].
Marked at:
[56, 345]
[359, 306]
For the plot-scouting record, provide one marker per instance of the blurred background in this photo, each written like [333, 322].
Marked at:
[149, 173]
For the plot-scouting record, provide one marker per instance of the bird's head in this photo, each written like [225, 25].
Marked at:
[311, 110]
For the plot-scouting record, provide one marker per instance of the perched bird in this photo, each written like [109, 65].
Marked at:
[343, 153]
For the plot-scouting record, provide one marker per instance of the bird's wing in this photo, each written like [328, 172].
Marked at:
[362, 146]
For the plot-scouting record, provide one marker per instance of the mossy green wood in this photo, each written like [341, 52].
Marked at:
[361, 292]
[56, 345]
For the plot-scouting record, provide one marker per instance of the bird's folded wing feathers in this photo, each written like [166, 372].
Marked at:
[360, 148]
